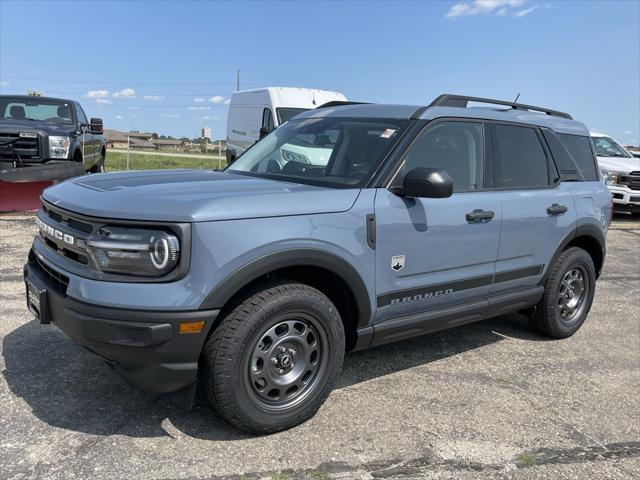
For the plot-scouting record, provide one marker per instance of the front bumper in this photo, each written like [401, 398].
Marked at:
[142, 346]
[52, 170]
[625, 199]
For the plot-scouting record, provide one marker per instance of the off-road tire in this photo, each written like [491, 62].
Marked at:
[546, 317]
[229, 352]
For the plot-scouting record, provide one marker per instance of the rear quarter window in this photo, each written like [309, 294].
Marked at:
[579, 148]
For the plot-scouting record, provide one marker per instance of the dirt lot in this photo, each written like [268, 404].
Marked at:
[491, 399]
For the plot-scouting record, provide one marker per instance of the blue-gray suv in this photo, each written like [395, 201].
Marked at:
[349, 226]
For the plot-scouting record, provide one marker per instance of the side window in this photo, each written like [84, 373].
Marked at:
[82, 118]
[567, 166]
[520, 159]
[456, 147]
[580, 149]
[267, 119]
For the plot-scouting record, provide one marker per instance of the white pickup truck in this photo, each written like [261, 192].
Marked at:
[620, 171]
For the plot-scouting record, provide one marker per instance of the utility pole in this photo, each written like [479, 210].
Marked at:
[238, 80]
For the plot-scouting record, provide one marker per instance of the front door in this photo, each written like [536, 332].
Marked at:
[432, 253]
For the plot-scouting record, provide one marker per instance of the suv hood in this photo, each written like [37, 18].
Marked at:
[193, 196]
[619, 164]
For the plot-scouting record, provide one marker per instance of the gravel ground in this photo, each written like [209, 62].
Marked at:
[491, 399]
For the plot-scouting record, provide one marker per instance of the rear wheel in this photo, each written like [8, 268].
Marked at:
[568, 295]
[273, 360]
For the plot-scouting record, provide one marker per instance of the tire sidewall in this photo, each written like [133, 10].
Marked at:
[249, 333]
[572, 258]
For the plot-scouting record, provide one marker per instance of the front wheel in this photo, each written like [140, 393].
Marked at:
[273, 360]
[568, 295]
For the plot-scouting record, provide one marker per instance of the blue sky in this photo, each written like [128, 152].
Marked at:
[170, 66]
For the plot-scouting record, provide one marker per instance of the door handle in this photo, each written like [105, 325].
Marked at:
[556, 209]
[479, 215]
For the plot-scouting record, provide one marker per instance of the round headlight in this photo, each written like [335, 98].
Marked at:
[134, 251]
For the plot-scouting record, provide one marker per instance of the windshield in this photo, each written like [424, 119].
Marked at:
[46, 110]
[286, 114]
[608, 147]
[332, 152]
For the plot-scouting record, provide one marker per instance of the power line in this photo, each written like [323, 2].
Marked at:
[103, 82]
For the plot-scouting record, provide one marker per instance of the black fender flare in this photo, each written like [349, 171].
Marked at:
[592, 230]
[261, 266]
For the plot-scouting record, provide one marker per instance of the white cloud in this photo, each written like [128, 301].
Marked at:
[98, 93]
[125, 92]
[227, 102]
[207, 117]
[153, 98]
[525, 11]
[485, 7]
[170, 115]
[199, 107]
[5, 83]
[216, 99]
[628, 132]
[119, 117]
[103, 101]
[133, 108]
[199, 99]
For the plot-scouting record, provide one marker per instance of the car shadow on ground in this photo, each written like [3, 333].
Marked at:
[69, 387]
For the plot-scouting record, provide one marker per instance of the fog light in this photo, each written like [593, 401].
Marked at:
[191, 327]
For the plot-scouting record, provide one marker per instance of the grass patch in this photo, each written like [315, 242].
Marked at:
[280, 476]
[117, 161]
[526, 459]
[318, 475]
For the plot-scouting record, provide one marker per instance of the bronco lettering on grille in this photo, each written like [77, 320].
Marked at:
[49, 231]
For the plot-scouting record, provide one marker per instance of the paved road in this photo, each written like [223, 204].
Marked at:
[492, 400]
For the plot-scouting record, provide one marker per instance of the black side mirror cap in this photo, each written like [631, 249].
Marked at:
[264, 131]
[96, 126]
[426, 183]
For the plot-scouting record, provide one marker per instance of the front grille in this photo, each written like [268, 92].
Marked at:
[15, 147]
[59, 281]
[632, 180]
[75, 227]
[68, 220]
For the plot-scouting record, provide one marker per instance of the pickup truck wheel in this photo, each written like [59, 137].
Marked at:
[273, 360]
[568, 295]
[98, 167]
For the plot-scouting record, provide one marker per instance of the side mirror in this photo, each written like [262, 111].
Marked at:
[96, 126]
[425, 182]
[264, 131]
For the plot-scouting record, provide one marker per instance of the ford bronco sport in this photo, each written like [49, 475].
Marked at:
[257, 279]
[44, 138]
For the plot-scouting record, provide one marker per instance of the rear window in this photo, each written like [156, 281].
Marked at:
[580, 150]
[521, 161]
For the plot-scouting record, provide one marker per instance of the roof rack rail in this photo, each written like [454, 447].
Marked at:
[338, 103]
[449, 100]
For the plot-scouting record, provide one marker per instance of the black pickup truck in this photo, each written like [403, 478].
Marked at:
[45, 138]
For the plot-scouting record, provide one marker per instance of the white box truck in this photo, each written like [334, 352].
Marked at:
[255, 113]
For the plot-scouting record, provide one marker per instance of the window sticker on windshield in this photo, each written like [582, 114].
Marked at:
[388, 133]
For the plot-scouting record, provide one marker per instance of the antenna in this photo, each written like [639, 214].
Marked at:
[517, 97]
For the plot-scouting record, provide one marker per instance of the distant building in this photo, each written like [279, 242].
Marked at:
[126, 140]
[205, 132]
[167, 143]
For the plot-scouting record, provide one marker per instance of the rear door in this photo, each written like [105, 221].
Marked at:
[431, 253]
[537, 209]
